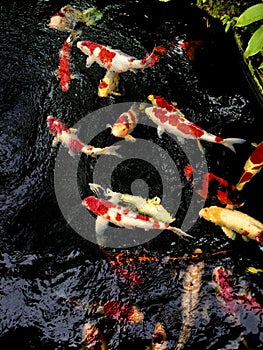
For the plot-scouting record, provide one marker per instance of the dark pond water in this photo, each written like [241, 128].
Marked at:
[43, 261]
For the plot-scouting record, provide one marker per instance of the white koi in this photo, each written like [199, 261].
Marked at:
[67, 136]
[233, 221]
[190, 298]
[175, 123]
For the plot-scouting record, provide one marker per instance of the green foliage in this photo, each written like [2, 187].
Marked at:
[252, 15]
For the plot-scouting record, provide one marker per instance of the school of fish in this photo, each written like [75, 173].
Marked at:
[130, 211]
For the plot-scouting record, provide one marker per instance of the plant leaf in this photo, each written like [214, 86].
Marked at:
[250, 15]
[255, 43]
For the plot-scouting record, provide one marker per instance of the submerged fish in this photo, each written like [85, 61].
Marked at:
[150, 207]
[93, 338]
[115, 60]
[190, 298]
[233, 221]
[109, 85]
[67, 18]
[158, 338]
[123, 217]
[175, 123]
[67, 136]
[252, 166]
[126, 123]
[63, 72]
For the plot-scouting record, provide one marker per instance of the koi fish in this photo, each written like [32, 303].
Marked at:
[253, 270]
[158, 338]
[123, 217]
[109, 84]
[67, 18]
[126, 123]
[225, 292]
[150, 207]
[63, 72]
[190, 47]
[93, 338]
[233, 221]
[176, 124]
[67, 136]
[190, 298]
[252, 166]
[115, 60]
[161, 102]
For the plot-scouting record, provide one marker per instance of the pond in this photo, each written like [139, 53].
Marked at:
[55, 278]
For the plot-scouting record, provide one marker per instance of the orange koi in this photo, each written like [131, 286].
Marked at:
[252, 166]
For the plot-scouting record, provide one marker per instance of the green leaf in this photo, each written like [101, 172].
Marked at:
[261, 66]
[250, 15]
[255, 43]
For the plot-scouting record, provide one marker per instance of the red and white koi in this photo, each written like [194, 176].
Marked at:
[63, 72]
[109, 85]
[67, 18]
[190, 298]
[158, 338]
[123, 217]
[93, 338]
[126, 123]
[233, 221]
[67, 136]
[115, 60]
[252, 166]
[175, 123]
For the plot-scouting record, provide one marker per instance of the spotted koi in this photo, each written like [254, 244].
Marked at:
[252, 166]
[190, 298]
[233, 221]
[115, 60]
[67, 136]
[109, 85]
[63, 72]
[67, 18]
[126, 123]
[176, 124]
[123, 217]
[158, 338]
[93, 338]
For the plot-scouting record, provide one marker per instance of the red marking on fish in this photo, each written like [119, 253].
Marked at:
[98, 206]
[142, 217]
[259, 237]
[188, 171]
[118, 217]
[56, 126]
[190, 47]
[103, 85]
[76, 145]
[161, 115]
[250, 303]
[161, 102]
[105, 55]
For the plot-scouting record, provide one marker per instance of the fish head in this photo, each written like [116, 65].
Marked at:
[87, 47]
[58, 21]
[120, 129]
[97, 206]
[210, 214]
[55, 126]
[159, 334]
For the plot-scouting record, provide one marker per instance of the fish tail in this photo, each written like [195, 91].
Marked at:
[231, 141]
[179, 232]
[111, 150]
[91, 16]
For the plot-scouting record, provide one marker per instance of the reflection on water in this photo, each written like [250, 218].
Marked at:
[50, 276]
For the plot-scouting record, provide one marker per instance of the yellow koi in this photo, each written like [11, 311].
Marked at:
[233, 221]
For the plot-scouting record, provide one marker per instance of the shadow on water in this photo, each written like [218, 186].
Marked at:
[44, 264]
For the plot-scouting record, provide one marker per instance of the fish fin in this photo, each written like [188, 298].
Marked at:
[100, 226]
[245, 238]
[95, 188]
[108, 126]
[89, 61]
[55, 141]
[160, 131]
[71, 153]
[179, 232]
[254, 144]
[130, 138]
[231, 141]
[228, 232]
[111, 150]
[73, 130]
[154, 201]
[201, 148]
